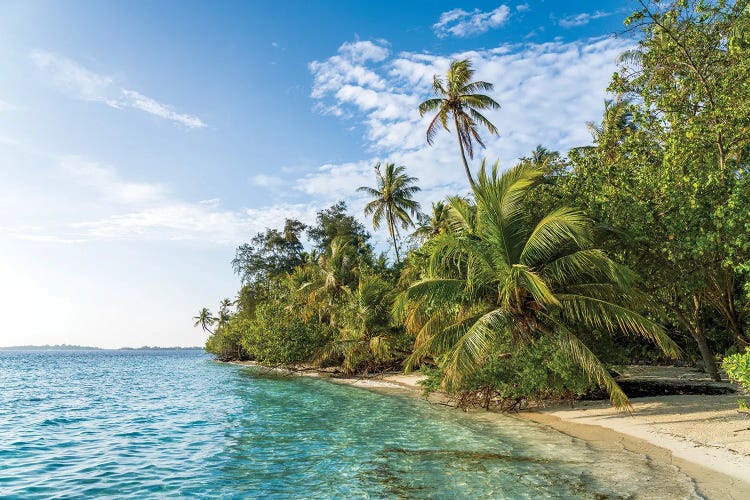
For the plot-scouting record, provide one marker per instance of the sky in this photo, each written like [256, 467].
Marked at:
[141, 142]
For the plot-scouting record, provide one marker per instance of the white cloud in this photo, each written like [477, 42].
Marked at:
[6, 106]
[547, 92]
[105, 183]
[460, 23]
[523, 7]
[139, 101]
[582, 19]
[81, 83]
[263, 180]
[347, 67]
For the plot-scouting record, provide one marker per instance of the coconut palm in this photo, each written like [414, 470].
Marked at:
[456, 97]
[498, 275]
[433, 224]
[392, 200]
[364, 336]
[327, 279]
[224, 313]
[204, 319]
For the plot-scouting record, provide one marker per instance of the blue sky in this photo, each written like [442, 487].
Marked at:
[140, 142]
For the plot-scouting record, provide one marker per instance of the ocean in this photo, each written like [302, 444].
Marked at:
[175, 423]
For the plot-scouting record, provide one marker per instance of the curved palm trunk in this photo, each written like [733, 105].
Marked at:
[463, 155]
[392, 230]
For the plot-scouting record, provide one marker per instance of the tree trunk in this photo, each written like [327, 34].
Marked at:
[463, 156]
[392, 230]
[695, 327]
[706, 354]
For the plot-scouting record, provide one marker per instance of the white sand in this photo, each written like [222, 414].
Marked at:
[704, 430]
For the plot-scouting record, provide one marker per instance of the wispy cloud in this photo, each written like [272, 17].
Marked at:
[92, 201]
[582, 18]
[6, 106]
[263, 180]
[82, 83]
[461, 23]
[104, 182]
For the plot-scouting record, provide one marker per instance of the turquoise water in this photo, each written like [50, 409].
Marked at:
[155, 424]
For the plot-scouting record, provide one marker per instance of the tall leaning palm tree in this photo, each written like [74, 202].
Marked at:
[497, 277]
[456, 97]
[205, 320]
[392, 200]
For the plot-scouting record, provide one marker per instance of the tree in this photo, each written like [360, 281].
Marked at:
[270, 254]
[334, 222]
[365, 336]
[224, 313]
[205, 320]
[322, 282]
[669, 166]
[392, 200]
[498, 274]
[431, 225]
[457, 97]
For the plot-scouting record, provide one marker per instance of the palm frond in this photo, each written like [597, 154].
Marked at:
[601, 314]
[580, 354]
[473, 347]
[553, 232]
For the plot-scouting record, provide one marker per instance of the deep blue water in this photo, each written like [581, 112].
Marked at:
[155, 424]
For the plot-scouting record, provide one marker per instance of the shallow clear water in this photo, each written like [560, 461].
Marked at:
[160, 424]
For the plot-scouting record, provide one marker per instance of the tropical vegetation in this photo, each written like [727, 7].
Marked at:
[553, 272]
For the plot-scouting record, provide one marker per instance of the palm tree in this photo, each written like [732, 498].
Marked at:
[204, 319]
[392, 199]
[456, 97]
[364, 336]
[433, 224]
[326, 280]
[224, 313]
[498, 275]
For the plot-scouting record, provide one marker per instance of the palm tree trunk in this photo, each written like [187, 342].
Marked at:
[391, 229]
[463, 155]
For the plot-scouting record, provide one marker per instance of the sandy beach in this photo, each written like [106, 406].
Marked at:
[704, 436]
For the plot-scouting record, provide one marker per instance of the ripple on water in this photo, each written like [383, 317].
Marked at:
[138, 424]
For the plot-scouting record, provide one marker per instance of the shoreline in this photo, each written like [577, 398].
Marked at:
[717, 471]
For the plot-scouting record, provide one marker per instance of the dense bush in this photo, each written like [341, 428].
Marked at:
[535, 372]
[225, 342]
[280, 336]
[737, 367]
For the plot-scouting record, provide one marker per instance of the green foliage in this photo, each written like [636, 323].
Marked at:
[538, 371]
[334, 222]
[270, 254]
[365, 339]
[225, 342]
[737, 367]
[500, 277]
[527, 288]
[278, 336]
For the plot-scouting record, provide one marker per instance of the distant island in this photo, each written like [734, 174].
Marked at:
[68, 347]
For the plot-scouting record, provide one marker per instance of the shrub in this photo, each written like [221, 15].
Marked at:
[278, 336]
[533, 373]
[225, 342]
[737, 367]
